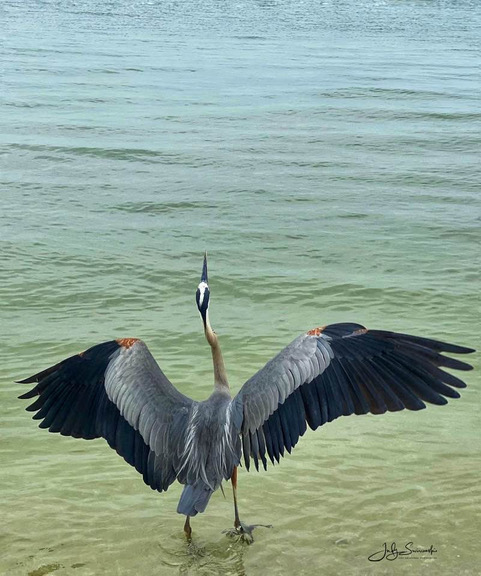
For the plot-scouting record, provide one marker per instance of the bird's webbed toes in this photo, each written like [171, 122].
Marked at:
[240, 535]
[243, 532]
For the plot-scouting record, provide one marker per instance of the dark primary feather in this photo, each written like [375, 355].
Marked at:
[339, 370]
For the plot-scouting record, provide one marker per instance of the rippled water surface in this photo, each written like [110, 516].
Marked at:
[326, 154]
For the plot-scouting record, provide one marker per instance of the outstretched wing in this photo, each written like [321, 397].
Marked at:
[335, 371]
[117, 391]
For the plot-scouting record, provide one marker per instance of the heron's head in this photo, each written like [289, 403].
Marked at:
[203, 293]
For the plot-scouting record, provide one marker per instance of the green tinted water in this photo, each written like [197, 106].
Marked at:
[327, 157]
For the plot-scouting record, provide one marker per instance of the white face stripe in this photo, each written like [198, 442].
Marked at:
[202, 286]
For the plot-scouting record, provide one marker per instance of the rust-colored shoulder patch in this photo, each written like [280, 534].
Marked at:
[316, 331]
[127, 342]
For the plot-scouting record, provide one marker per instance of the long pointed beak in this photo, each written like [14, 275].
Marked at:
[204, 270]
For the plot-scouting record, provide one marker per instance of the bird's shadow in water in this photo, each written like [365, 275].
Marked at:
[221, 557]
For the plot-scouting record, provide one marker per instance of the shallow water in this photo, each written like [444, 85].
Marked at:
[326, 154]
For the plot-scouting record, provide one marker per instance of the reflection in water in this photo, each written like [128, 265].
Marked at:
[225, 557]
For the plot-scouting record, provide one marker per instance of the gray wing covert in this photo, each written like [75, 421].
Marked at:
[261, 395]
[117, 391]
[338, 370]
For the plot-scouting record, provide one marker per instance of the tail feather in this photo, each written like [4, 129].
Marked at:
[194, 499]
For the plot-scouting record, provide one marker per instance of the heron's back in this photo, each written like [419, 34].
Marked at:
[211, 451]
[212, 447]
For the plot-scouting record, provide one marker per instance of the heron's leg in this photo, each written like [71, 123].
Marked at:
[244, 531]
[233, 480]
[240, 529]
[187, 528]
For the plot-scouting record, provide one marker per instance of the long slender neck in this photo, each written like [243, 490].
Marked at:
[220, 375]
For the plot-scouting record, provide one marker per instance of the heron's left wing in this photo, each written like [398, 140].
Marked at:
[335, 371]
[116, 390]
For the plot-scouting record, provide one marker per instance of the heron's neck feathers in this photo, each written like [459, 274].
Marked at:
[220, 374]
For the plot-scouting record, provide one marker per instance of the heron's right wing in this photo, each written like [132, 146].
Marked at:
[117, 391]
[335, 371]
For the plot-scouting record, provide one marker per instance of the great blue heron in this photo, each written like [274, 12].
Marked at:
[117, 391]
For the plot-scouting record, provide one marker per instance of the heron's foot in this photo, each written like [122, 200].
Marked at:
[243, 532]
